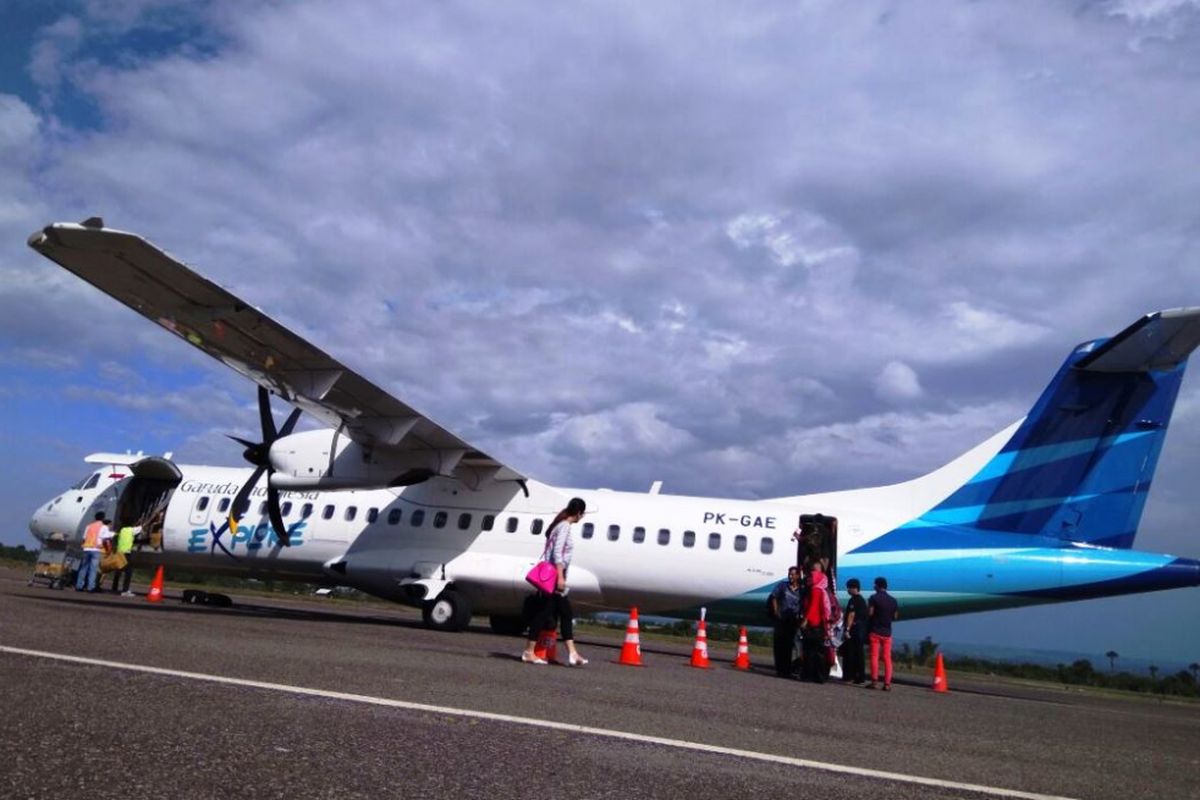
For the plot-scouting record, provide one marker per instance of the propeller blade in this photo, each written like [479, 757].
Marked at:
[289, 423]
[243, 498]
[265, 418]
[243, 442]
[276, 515]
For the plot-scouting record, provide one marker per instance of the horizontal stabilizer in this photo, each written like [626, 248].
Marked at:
[1158, 341]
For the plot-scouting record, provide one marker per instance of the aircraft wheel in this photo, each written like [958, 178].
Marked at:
[507, 624]
[449, 612]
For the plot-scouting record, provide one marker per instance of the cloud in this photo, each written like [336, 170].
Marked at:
[51, 53]
[18, 125]
[1150, 10]
[624, 245]
[898, 382]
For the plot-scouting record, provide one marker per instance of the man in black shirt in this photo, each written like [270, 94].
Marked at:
[881, 611]
[785, 610]
[856, 634]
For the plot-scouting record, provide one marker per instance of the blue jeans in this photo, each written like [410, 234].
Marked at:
[89, 570]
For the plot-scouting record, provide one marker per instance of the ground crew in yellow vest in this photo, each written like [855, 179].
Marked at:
[124, 571]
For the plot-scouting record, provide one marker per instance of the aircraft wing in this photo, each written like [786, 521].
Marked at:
[161, 288]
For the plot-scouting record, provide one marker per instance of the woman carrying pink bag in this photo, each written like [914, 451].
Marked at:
[559, 549]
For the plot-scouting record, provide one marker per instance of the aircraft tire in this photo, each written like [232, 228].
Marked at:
[194, 597]
[449, 612]
[507, 624]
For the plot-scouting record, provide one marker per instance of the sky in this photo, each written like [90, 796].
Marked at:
[750, 250]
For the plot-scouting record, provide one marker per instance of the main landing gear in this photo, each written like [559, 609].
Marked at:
[450, 611]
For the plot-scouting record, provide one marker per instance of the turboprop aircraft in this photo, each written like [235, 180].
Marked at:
[387, 501]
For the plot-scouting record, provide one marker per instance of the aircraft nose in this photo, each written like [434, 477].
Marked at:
[40, 524]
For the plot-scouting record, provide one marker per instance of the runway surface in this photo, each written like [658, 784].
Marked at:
[301, 699]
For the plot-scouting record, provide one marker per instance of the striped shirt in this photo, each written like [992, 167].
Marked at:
[560, 548]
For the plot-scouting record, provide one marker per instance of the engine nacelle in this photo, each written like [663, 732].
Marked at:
[327, 459]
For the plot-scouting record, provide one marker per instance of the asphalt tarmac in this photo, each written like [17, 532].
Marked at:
[241, 708]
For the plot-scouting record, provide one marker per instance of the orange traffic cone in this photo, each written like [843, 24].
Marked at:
[156, 593]
[939, 675]
[631, 652]
[547, 646]
[743, 654]
[700, 648]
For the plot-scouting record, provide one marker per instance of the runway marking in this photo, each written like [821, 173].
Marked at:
[679, 744]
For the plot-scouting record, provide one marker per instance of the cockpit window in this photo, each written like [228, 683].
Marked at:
[92, 481]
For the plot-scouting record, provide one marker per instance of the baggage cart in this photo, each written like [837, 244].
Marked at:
[57, 562]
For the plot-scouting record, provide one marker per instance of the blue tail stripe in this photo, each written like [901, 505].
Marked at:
[1111, 466]
[1017, 460]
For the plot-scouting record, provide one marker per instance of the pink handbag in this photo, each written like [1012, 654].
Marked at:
[543, 576]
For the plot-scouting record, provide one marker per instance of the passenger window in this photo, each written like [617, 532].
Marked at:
[639, 534]
[202, 503]
[739, 543]
[664, 536]
[614, 532]
[394, 517]
[489, 521]
[439, 519]
[464, 521]
[286, 508]
[511, 525]
[262, 508]
[588, 530]
[416, 518]
[689, 538]
[536, 527]
[223, 506]
[351, 513]
[306, 511]
[714, 541]
[327, 512]
[372, 514]
[767, 546]
[241, 509]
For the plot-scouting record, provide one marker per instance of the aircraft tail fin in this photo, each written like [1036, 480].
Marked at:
[1080, 465]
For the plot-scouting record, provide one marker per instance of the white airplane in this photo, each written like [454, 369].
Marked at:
[387, 501]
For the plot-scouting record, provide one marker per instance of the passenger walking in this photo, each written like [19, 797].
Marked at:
[559, 549]
[882, 611]
[93, 546]
[816, 627]
[785, 603]
[124, 572]
[853, 668]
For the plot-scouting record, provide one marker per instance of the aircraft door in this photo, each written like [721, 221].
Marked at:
[817, 541]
